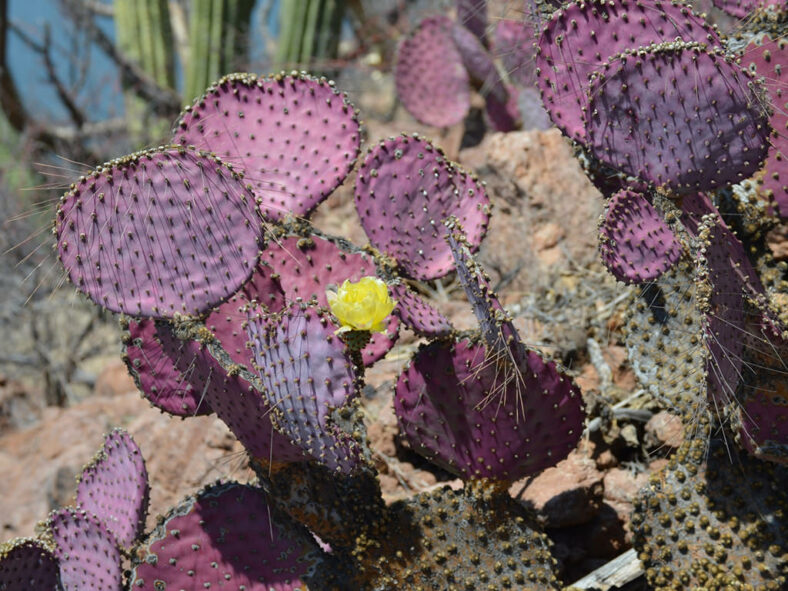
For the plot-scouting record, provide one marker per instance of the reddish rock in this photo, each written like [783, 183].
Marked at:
[606, 460]
[114, 379]
[569, 493]
[663, 430]
[623, 485]
[39, 463]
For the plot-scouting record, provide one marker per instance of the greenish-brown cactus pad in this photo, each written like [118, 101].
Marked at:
[714, 519]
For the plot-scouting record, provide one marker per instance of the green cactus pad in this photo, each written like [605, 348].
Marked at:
[472, 539]
[714, 519]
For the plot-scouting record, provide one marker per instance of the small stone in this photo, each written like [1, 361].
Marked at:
[663, 430]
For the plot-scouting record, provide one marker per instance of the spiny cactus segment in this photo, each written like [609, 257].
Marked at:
[27, 564]
[768, 60]
[582, 36]
[87, 552]
[418, 315]
[665, 336]
[431, 80]
[763, 411]
[477, 416]
[713, 519]
[673, 134]
[160, 232]
[306, 264]
[114, 487]
[306, 375]
[294, 137]
[405, 191]
[635, 241]
[474, 538]
[225, 536]
[479, 63]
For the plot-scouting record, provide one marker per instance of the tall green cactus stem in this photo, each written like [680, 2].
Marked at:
[144, 35]
[218, 33]
[309, 32]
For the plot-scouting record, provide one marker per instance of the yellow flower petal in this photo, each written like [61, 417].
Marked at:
[363, 305]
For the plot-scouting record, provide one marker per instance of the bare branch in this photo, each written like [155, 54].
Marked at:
[10, 101]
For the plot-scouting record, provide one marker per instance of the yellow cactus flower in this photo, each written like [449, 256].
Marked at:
[363, 305]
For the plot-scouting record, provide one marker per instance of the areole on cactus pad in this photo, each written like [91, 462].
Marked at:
[294, 137]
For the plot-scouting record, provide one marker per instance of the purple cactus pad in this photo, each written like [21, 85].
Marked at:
[504, 116]
[225, 537]
[152, 355]
[768, 60]
[160, 232]
[114, 487]
[581, 37]
[514, 43]
[306, 266]
[478, 416]
[27, 564]
[294, 137]
[472, 14]
[672, 133]
[418, 315]
[431, 80]
[188, 377]
[635, 242]
[479, 64]
[86, 551]
[306, 375]
[404, 193]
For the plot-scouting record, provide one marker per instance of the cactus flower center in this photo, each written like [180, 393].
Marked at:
[363, 305]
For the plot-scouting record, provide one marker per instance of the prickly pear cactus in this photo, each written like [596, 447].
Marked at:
[713, 519]
[125, 242]
[294, 137]
[225, 535]
[114, 487]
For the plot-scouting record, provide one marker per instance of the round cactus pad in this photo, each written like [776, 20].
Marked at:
[431, 80]
[225, 537]
[294, 137]
[306, 374]
[582, 36]
[479, 64]
[472, 14]
[160, 232]
[26, 564]
[677, 115]
[306, 266]
[114, 487]
[479, 416]
[635, 241]
[86, 551]
[405, 191]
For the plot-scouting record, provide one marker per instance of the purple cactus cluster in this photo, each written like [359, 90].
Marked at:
[205, 248]
[442, 58]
